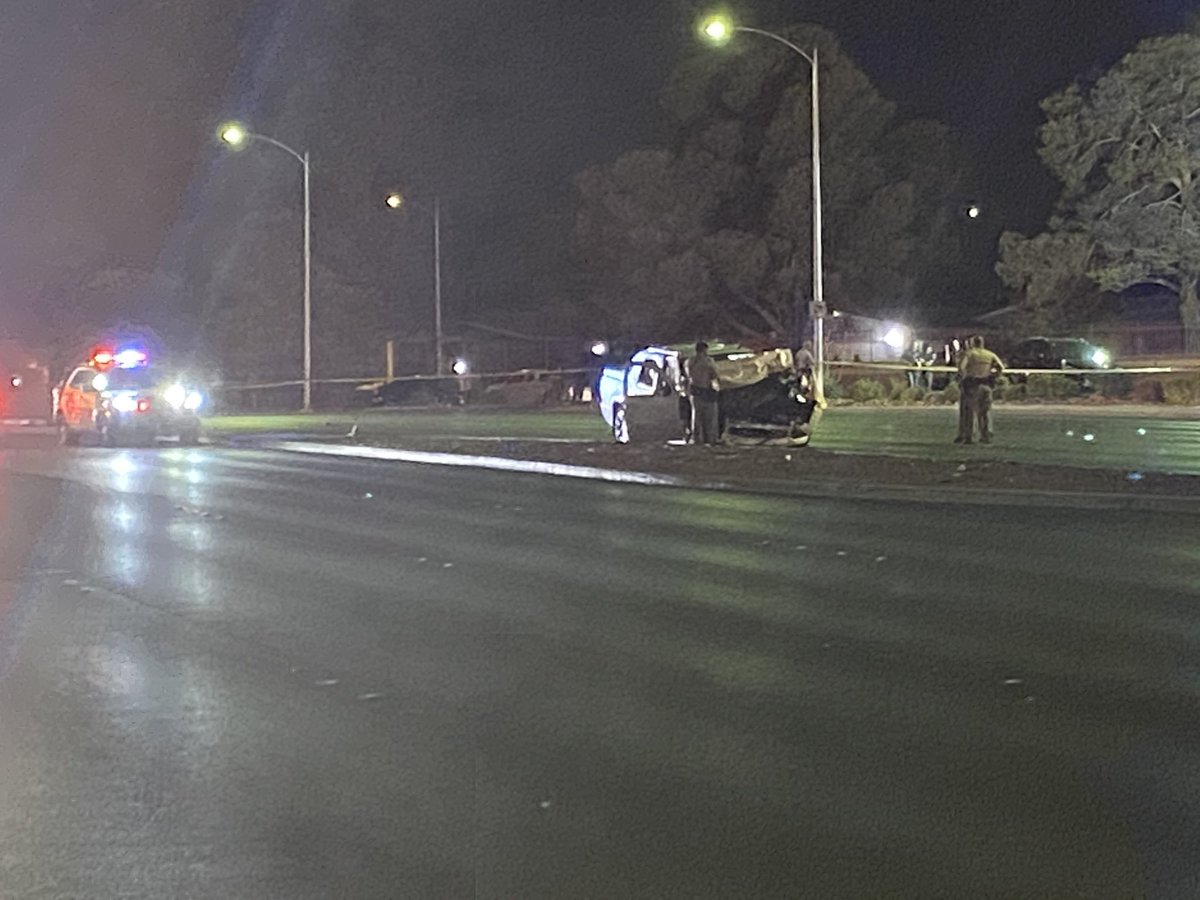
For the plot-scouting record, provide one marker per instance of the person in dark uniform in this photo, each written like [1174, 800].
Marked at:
[705, 385]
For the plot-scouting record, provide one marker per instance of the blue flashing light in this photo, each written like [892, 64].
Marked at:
[130, 358]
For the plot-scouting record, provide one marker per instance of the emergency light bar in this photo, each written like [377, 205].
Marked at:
[129, 358]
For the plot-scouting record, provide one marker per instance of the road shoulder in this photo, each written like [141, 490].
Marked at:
[800, 472]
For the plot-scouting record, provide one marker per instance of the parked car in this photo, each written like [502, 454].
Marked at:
[445, 391]
[1058, 353]
[1074, 355]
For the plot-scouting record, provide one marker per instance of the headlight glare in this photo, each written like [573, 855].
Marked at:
[125, 403]
[176, 395]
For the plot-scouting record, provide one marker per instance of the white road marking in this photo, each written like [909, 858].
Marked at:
[389, 454]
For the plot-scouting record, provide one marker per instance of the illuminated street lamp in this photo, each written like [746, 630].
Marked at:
[720, 29]
[396, 200]
[238, 136]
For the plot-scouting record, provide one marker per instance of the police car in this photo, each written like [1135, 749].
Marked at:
[118, 397]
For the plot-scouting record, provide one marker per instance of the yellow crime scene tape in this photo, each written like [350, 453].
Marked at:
[902, 367]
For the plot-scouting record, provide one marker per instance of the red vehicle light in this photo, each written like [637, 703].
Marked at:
[143, 405]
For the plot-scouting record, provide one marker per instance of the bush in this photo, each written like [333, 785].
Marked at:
[1012, 390]
[1115, 386]
[951, 393]
[1184, 391]
[867, 389]
[1051, 387]
[1005, 389]
[1147, 390]
[903, 392]
[834, 389]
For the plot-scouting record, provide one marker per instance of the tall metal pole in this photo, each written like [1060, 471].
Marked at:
[437, 284]
[818, 248]
[236, 135]
[818, 305]
[307, 286]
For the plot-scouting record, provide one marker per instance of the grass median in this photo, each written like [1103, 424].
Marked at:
[1053, 451]
[558, 424]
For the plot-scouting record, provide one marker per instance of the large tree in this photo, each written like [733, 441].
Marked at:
[713, 232]
[254, 322]
[1127, 151]
[1050, 275]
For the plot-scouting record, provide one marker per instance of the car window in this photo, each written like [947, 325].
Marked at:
[131, 379]
[1069, 349]
[82, 378]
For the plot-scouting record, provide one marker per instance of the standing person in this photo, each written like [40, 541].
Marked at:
[702, 376]
[803, 361]
[977, 369]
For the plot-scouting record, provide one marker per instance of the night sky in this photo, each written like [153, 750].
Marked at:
[107, 157]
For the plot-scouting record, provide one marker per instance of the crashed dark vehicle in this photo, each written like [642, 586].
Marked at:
[644, 398]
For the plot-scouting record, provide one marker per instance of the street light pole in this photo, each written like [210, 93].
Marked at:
[818, 312]
[307, 284]
[719, 29]
[397, 200]
[439, 353]
[237, 136]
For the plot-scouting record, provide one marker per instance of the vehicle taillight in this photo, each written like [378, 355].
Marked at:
[143, 405]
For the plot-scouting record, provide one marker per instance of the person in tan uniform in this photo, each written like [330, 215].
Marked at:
[977, 369]
[702, 377]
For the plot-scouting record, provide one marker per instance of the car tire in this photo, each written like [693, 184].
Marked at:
[799, 435]
[66, 436]
[620, 426]
[189, 437]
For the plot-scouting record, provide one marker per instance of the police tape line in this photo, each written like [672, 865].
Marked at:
[901, 367]
[536, 374]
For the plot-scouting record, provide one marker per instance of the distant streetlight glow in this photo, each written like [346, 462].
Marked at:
[395, 201]
[896, 337]
[973, 211]
[717, 29]
[461, 367]
[233, 134]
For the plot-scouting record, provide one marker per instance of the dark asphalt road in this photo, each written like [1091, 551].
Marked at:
[243, 675]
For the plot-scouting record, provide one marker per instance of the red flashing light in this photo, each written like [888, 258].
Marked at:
[129, 358]
[143, 405]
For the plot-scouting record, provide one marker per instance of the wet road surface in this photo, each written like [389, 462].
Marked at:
[251, 675]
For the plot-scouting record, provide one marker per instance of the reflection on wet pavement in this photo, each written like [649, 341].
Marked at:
[244, 674]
